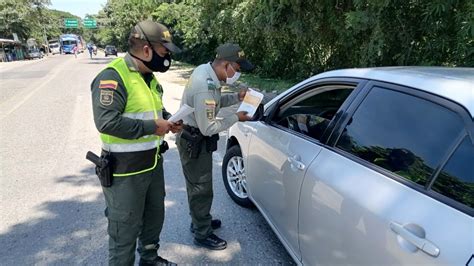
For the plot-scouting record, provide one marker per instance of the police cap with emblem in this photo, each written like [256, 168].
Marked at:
[233, 53]
[155, 33]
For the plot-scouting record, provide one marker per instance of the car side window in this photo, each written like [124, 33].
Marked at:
[404, 134]
[311, 113]
[456, 180]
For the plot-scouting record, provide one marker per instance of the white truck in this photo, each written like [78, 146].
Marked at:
[54, 47]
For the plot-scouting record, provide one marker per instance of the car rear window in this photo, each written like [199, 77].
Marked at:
[404, 134]
[456, 180]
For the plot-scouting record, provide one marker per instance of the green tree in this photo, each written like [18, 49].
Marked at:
[21, 17]
[298, 38]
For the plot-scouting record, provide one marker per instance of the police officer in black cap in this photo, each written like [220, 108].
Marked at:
[200, 134]
[128, 112]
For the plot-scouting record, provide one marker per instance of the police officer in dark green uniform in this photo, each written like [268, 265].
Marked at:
[199, 137]
[128, 112]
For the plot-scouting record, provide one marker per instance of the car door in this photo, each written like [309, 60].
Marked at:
[395, 188]
[281, 149]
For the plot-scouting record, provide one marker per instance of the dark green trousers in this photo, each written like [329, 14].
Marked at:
[198, 174]
[135, 209]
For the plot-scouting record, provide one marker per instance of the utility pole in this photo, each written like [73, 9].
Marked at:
[45, 38]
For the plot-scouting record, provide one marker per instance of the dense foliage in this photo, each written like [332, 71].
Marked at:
[299, 38]
[32, 19]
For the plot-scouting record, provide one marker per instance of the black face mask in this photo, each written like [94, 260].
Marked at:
[157, 63]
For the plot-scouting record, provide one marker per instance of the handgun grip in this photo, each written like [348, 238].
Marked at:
[187, 136]
[93, 158]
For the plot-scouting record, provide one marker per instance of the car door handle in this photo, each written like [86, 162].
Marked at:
[294, 161]
[421, 243]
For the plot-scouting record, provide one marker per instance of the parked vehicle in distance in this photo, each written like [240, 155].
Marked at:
[363, 166]
[54, 48]
[34, 53]
[110, 50]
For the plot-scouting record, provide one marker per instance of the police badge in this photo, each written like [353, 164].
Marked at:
[106, 97]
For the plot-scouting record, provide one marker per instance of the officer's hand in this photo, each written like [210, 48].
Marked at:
[163, 127]
[243, 116]
[177, 127]
[242, 93]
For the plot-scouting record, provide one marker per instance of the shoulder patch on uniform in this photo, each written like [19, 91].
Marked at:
[108, 84]
[106, 97]
[211, 85]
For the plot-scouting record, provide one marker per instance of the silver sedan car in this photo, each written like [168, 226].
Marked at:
[363, 167]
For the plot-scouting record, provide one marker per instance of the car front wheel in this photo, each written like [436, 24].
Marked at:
[233, 174]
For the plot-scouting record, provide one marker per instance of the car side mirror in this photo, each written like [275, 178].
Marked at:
[258, 114]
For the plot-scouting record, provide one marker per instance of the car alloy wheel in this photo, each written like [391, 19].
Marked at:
[234, 177]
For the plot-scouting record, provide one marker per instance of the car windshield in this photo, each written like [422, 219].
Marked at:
[69, 42]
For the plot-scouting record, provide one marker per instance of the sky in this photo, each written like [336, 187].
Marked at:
[78, 7]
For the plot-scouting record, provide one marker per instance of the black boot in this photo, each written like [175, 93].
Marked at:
[211, 242]
[215, 224]
[158, 261]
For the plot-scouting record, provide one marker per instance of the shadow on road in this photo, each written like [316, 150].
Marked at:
[74, 230]
[88, 178]
[64, 230]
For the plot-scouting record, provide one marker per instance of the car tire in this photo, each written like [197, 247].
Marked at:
[233, 175]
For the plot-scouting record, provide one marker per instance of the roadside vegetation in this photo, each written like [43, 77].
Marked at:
[287, 40]
[250, 79]
[295, 39]
[33, 19]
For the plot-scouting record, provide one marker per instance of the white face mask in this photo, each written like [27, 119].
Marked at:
[234, 78]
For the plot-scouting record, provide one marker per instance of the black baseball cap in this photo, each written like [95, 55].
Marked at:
[154, 32]
[233, 53]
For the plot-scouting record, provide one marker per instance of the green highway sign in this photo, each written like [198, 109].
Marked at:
[71, 23]
[90, 23]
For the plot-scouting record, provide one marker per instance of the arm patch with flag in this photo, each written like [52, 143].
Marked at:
[108, 84]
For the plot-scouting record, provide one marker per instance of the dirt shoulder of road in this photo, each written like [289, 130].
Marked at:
[177, 74]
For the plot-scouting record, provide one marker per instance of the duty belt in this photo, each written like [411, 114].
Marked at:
[192, 130]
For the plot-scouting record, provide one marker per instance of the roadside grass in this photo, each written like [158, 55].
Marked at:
[252, 80]
[266, 84]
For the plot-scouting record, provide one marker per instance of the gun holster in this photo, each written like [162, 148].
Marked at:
[193, 139]
[103, 167]
[163, 147]
[211, 142]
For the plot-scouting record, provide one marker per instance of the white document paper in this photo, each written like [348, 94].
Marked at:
[251, 102]
[183, 111]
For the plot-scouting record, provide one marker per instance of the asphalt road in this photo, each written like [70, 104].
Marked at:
[51, 203]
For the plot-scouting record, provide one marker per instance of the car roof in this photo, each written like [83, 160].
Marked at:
[456, 84]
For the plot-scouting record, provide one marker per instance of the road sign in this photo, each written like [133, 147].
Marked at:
[71, 23]
[90, 23]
